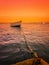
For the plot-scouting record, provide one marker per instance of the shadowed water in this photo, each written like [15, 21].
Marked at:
[12, 42]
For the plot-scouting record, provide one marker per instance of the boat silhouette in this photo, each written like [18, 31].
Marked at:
[16, 24]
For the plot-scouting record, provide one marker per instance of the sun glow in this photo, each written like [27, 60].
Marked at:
[25, 10]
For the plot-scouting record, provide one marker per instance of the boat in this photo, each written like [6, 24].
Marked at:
[32, 61]
[16, 24]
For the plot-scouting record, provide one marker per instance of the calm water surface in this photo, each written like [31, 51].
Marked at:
[12, 41]
[34, 32]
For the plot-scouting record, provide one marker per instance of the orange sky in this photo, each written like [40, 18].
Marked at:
[25, 10]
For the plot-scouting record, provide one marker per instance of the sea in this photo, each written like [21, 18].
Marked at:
[14, 42]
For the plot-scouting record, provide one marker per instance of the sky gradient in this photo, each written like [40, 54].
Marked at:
[25, 10]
